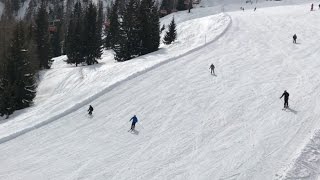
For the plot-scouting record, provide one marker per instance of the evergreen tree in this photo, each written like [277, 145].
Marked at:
[164, 5]
[121, 46]
[155, 28]
[181, 6]
[74, 39]
[17, 83]
[132, 28]
[162, 28]
[113, 31]
[56, 42]
[98, 38]
[42, 37]
[150, 26]
[171, 34]
[91, 49]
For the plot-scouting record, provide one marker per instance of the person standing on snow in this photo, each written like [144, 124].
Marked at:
[90, 110]
[286, 99]
[294, 39]
[212, 69]
[134, 120]
[311, 7]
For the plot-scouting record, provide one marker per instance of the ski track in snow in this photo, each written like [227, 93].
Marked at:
[192, 125]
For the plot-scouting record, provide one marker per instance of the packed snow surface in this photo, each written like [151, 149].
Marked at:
[192, 125]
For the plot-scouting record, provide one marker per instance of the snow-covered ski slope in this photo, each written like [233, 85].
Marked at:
[192, 125]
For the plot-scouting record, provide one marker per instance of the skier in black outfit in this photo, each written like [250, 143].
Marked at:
[286, 99]
[212, 69]
[134, 120]
[294, 39]
[90, 110]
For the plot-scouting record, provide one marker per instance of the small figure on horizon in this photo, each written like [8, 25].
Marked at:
[311, 7]
[294, 39]
[212, 69]
[286, 99]
[134, 120]
[319, 6]
[255, 9]
[90, 110]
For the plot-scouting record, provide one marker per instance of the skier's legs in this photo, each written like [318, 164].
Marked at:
[286, 104]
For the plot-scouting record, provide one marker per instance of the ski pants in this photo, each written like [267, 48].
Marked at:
[133, 125]
[286, 104]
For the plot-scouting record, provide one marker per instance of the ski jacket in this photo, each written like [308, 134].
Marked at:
[286, 96]
[134, 119]
[212, 66]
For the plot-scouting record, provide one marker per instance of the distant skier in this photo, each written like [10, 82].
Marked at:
[311, 7]
[294, 39]
[90, 110]
[319, 6]
[286, 99]
[134, 120]
[255, 9]
[212, 69]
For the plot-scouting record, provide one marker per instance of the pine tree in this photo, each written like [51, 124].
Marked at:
[91, 49]
[155, 28]
[17, 83]
[113, 32]
[164, 5]
[98, 37]
[121, 46]
[171, 34]
[42, 37]
[132, 27]
[150, 26]
[181, 6]
[56, 42]
[74, 39]
[162, 28]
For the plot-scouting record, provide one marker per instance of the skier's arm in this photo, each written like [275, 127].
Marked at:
[282, 95]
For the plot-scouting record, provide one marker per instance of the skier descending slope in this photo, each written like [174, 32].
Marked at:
[90, 110]
[294, 39]
[134, 120]
[286, 99]
[212, 69]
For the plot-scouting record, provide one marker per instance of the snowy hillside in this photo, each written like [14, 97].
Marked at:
[192, 125]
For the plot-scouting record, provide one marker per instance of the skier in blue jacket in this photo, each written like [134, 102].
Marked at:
[134, 120]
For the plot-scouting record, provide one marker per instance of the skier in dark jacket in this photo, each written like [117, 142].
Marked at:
[90, 110]
[286, 99]
[212, 68]
[311, 7]
[294, 39]
[134, 120]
